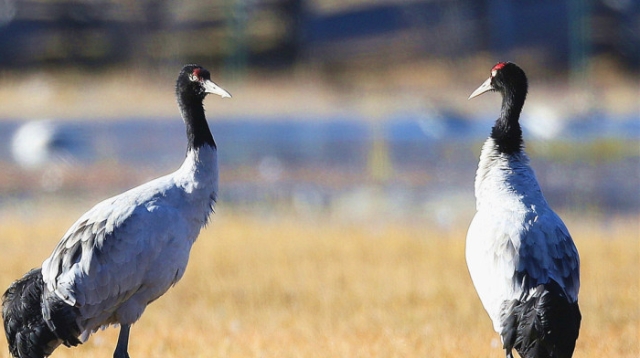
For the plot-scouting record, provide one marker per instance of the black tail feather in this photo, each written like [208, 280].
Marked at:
[544, 324]
[28, 333]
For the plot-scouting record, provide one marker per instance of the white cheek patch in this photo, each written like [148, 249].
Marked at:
[493, 73]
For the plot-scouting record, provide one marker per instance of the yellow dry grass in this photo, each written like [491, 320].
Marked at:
[316, 287]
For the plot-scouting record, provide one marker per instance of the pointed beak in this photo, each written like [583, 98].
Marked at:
[485, 87]
[211, 87]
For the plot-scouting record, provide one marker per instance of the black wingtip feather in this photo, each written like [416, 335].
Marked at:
[542, 325]
[27, 332]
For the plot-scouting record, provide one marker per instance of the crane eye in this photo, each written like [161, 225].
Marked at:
[195, 75]
[497, 67]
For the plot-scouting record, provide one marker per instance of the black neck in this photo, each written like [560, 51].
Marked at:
[506, 132]
[198, 133]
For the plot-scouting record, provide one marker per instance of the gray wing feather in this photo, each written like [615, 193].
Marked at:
[102, 244]
[547, 252]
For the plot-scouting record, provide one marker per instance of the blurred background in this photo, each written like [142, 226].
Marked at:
[350, 109]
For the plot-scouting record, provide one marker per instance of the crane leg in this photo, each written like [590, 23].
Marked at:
[123, 342]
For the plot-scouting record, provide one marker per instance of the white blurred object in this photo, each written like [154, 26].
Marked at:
[38, 143]
[8, 11]
[543, 122]
[43, 145]
[270, 169]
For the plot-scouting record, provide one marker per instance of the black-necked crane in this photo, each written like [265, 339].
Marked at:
[125, 252]
[522, 260]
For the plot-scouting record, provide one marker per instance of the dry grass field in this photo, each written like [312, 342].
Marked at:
[302, 287]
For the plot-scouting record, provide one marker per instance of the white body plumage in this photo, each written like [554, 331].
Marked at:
[515, 230]
[147, 231]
